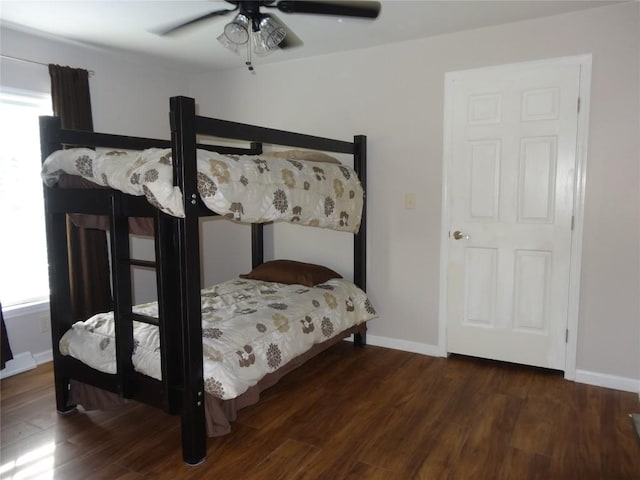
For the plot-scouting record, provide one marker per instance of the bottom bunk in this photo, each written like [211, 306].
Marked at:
[219, 414]
[254, 332]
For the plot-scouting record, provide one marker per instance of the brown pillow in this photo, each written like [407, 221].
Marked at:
[291, 272]
[305, 155]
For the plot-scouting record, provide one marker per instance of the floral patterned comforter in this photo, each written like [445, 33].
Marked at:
[245, 188]
[250, 328]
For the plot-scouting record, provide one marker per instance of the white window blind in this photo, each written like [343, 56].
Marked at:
[23, 251]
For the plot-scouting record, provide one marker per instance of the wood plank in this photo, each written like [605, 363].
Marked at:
[287, 459]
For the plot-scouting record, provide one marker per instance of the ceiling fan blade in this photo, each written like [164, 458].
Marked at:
[291, 40]
[174, 28]
[341, 9]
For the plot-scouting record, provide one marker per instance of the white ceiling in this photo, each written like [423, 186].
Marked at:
[127, 25]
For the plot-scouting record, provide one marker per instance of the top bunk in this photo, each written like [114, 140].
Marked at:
[243, 184]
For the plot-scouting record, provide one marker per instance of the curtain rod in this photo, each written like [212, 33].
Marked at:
[9, 57]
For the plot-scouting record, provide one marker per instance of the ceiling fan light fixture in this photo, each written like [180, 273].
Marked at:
[268, 37]
[237, 30]
[251, 31]
[234, 47]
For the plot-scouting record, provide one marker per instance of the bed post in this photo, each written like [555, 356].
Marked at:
[360, 238]
[257, 244]
[257, 229]
[58, 259]
[168, 310]
[183, 136]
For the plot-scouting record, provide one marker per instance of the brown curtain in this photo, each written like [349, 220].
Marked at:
[88, 257]
[5, 348]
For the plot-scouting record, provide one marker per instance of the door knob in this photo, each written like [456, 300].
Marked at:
[458, 235]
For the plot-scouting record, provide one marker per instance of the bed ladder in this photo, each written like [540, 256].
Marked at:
[121, 263]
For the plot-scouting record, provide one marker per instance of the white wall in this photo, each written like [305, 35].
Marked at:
[394, 95]
[128, 95]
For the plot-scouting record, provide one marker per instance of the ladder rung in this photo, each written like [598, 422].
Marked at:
[144, 319]
[138, 263]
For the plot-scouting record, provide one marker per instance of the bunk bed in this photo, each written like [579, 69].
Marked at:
[178, 386]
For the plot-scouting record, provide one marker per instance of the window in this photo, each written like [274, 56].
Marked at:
[23, 250]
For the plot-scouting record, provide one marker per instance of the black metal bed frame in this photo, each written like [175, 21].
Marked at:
[177, 261]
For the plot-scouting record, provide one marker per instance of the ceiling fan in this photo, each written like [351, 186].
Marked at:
[262, 33]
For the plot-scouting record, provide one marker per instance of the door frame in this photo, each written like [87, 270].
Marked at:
[573, 314]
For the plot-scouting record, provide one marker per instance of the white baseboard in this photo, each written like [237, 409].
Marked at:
[20, 363]
[609, 381]
[43, 357]
[24, 362]
[406, 345]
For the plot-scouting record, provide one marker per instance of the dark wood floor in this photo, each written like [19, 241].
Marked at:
[348, 414]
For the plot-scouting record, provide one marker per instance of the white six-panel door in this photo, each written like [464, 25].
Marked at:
[511, 163]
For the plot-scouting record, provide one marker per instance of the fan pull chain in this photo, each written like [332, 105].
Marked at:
[249, 43]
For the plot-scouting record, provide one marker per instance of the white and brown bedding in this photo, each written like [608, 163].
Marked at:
[250, 329]
[245, 188]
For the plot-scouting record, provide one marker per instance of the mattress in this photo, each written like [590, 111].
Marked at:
[250, 328]
[244, 188]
